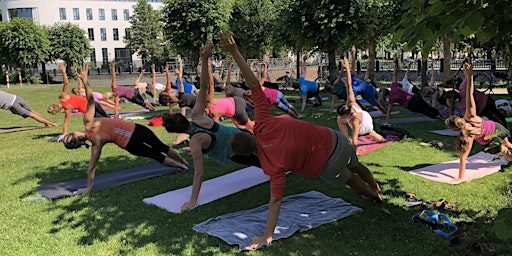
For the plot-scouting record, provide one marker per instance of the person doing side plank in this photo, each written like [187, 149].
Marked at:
[72, 102]
[287, 144]
[352, 115]
[407, 100]
[206, 136]
[491, 134]
[134, 138]
[128, 93]
[18, 106]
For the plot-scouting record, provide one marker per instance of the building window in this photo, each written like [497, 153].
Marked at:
[21, 13]
[126, 13]
[88, 13]
[103, 33]
[115, 32]
[127, 33]
[91, 33]
[102, 14]
[93, 56]
[114, 14]
[62, 13]
[76, 14]
[104, 55]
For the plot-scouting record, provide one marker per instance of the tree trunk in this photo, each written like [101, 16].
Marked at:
[333, 74]
[446, 59]
[372, 55]
[424, 79]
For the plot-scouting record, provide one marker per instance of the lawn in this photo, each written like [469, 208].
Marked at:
[115, 221]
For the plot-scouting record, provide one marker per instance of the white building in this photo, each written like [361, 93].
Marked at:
[104, 21]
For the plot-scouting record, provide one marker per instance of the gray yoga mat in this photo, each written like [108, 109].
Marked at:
[298, 213]
[20, 128]
[403, 120]
[66, 188]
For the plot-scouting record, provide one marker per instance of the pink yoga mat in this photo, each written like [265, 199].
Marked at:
[478, 166]
[367, 145]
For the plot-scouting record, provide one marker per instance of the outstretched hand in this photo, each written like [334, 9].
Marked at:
[207, 51]
[468, 69]
[62, 66]
[346, 66]
[227, 42]
[84, 69]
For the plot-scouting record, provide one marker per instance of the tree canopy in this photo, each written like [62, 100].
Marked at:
[424, 22]
[188, 24]
[69, 43]
[22, 43]
[145, 37]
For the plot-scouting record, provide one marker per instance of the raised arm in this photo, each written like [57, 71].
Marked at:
[179, 73]
[220, 72]
[113, 85]
[211, 84]
[153, 74]
[65, 81]
[303, 67]
[351, 98]
[88, 118]
[264, 74]
[470, 99]
[198, 109]
[229, 45]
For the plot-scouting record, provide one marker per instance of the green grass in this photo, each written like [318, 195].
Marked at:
[115, 221]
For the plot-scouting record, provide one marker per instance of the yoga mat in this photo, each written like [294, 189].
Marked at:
[298, 213]
[20, 128]
[477, 166]
[211, 190]
[133, 112]
[66, 188]
[445, 132]
[406, 120]
[378, 113]
[367, 145]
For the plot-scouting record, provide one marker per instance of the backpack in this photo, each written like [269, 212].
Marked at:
[394, 131]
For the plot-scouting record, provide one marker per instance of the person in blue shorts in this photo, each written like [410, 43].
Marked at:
[367, 91]
[307, 88]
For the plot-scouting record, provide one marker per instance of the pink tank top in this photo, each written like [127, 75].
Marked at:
[225, 105]
[488, 128]
[271, 95]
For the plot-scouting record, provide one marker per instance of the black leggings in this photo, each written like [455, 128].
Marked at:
[138, 99]
[490, 111]
[419, 105]
[251, 160]
[144, 142]
[99, 112]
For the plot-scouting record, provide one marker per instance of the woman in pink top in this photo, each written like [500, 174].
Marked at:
[232, 107]
[410, 101]
[134, 138]
[287, 144]
[472, 127]
[275, 97]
